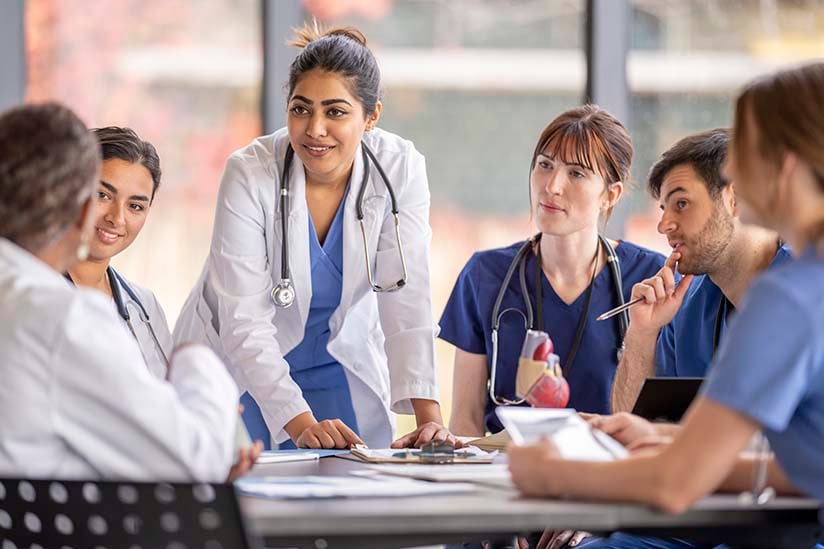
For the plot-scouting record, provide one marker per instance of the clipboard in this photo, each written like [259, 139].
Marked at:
[414, 455]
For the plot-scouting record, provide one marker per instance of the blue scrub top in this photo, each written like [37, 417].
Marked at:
[770, 367]
[321, 378]
[685, 345]
[467, 322]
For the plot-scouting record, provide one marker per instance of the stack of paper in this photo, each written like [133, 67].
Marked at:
[492, 474]
[308, 487]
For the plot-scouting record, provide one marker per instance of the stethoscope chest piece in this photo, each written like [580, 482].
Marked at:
[284, 294]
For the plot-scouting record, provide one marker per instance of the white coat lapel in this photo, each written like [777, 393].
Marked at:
[299, 260]
[354, 263]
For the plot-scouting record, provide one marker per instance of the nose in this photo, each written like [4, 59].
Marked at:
[555, 182]
[667, 224]
[114, 215]
[317, 126]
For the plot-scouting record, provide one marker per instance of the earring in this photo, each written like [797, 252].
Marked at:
[83, 250]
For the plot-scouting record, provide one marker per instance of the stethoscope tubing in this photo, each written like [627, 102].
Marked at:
[519, 262]
[117, 283]
[283, 294]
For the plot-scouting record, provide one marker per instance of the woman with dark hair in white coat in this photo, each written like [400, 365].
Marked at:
[316, 289]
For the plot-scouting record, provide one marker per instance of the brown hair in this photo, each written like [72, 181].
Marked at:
[786, 110]
[339, 50]
[49, 163]
[705, 152]
[590, 136]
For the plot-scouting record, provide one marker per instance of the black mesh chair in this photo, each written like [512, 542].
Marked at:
[37, 514]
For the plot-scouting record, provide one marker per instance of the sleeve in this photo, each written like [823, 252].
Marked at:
[765, 362]
[242, 282]
[128, 424]
[665, 360]
[461, 323]
[406, 316]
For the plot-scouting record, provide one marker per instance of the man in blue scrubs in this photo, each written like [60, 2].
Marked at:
[719, 255]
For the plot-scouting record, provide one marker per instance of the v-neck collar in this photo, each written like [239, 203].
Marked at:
[549, 290]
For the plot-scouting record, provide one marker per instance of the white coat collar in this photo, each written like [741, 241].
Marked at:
[34, 267]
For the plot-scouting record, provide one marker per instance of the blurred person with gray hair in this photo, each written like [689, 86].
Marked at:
[78, 400]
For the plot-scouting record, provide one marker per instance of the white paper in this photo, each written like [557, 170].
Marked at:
[309, 487]
[573, 436]
[496, 474]
[276, 457]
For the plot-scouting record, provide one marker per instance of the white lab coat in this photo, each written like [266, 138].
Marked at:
[385, 342]
[77, 400]
[143, 333]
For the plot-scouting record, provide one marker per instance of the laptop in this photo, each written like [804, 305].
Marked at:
[666, 398]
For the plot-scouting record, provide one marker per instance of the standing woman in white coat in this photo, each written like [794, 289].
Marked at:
[316, 289]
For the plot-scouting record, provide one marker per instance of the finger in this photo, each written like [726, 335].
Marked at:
[672, 261]
[350, 435]
[683, 286]
[311, 441]
[326, 440]
[578, 538]
[546, 539]
[405, 441]
[645, 290]
[338, 439]
[561, 539]
[586, 416]
[657, 282]
[669, 280]
[257, 449]
[427, 434]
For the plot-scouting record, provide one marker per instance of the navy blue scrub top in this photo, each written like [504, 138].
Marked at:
[467, 322]
[685, 345]
[321, 378]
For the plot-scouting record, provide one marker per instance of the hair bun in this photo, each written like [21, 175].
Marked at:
[314, 31]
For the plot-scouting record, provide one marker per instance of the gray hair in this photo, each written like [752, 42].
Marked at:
[49, 166]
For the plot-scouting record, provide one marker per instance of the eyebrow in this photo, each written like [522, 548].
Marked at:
[325, 102]
[112, 189]
[673, 191]
[575, 164]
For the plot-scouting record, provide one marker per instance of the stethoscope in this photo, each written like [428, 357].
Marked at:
[283, 294]
[519, 262]
[116, 282]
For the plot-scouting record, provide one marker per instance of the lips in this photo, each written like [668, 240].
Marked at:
[551, 207]
[317, 149]
[676, 245]
[107, 236]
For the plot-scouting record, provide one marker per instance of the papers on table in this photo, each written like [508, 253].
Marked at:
[498, 441]
[467, 455]
[285, 457]
[573, 436]
[310, 487]
[496, 474]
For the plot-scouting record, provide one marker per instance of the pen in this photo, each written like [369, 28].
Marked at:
[620, 309]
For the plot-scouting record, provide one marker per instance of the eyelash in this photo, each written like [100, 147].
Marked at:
[300, 110]
[134, 207]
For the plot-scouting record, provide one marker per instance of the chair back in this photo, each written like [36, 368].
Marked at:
[130, 515]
